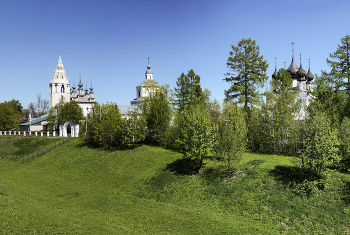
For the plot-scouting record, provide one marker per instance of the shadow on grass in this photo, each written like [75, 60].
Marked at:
[183, 167]
[214, 173]
[256, 162]
[292, 174]
[118, 148]
[346, 193]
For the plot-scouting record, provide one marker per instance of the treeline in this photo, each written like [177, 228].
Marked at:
[274, 121]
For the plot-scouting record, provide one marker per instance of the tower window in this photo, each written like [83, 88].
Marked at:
[62, 89]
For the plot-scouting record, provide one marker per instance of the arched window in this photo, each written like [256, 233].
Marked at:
[139, 93]
[62, 89]
[56, 87]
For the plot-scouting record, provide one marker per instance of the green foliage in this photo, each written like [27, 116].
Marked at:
[111, 127]
[64, 111]
[135, 124]
[275, 127]
[9, 117]
[173, 135]
[52, 117]
[70, 111]
[320, 147]
[329, 100]
[339, 61]
[92, 127]
[17, 107]
[255, 130]
[198, 135]
[232, 135]
[157, 112]
[247, 72]
[344, 142]
[188, 91]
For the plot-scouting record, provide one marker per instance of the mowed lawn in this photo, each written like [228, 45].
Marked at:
[79, 190]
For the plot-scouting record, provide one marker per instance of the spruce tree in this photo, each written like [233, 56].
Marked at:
[339, 61]
[247, 72]
[188, 91]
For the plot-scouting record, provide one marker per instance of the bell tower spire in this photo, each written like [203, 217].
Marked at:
[59, 85]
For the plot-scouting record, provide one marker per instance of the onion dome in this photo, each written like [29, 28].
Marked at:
[309, 76]
[148, 71]
[293, 68]
[274, 75]
[301, 72]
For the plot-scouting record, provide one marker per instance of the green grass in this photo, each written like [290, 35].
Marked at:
[78, 190]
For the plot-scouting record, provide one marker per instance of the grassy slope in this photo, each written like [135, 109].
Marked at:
[78, 190]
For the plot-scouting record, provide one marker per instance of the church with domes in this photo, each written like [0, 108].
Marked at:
[60, 87]
[302, 81]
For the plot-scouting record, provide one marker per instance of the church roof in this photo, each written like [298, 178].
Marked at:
[301, 72]
[34, 121]
[142, 83]
[83, 100]
[293, 68]
[309, 76]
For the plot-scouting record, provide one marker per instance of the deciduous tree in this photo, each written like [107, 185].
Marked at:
[157, 112]
[9, 118]
[320, 147]
[111, 126]
[232, 135]
[135, 124]
[198, 135]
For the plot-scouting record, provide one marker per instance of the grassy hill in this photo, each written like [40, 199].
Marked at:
[78, 190]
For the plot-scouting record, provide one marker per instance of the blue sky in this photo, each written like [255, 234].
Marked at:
[109, 42]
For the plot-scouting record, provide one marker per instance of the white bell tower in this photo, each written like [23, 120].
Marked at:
[59, 85]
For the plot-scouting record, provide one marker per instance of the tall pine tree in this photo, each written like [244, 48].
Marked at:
[247, 72]
[339, 61]
[188, 91]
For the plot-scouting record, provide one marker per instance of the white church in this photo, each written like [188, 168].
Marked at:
[59, 86]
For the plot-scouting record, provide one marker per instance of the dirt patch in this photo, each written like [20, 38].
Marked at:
[232, 176]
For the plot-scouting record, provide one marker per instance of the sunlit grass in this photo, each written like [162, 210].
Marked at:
[78, 190]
